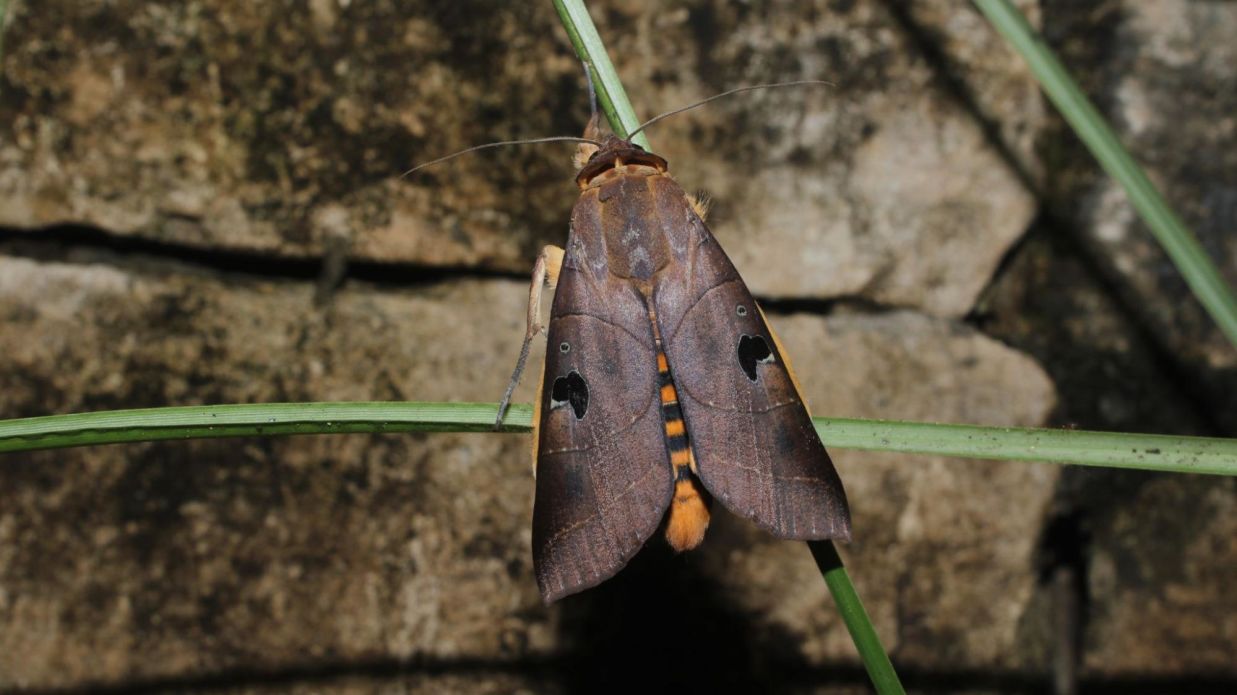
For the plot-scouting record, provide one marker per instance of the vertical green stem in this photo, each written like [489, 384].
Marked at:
[871, 651]
[1178, 241]
[613, 99]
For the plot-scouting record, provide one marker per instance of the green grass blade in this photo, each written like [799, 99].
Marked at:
[1078, 447]
[611, 96]
[1152, 452]
[257, 419]
[855, 616]
[1178, 241]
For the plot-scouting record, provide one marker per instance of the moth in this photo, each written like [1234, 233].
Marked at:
[663, 386]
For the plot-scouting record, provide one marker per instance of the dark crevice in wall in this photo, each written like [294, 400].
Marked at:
[825, 307]
[554, 674]
[320, 673]
[1061, 559]
[84, 244]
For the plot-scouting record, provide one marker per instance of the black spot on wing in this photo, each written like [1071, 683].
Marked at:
[753, 350]
[570, 390]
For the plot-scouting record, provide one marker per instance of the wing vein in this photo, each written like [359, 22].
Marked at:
[674, 333]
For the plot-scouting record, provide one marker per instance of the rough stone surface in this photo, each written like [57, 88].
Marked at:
[1176, 590]
[155, 560]
[1157, 551]
[182, 560]
[260, 127]
[1164, 73]
[268, 128]
[988, 78]
[1153, 554]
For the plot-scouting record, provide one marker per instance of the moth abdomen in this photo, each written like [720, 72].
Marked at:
[688, 516]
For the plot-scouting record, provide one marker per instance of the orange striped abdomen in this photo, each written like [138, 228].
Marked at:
[688, 517]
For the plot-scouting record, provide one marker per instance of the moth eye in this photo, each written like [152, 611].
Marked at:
[564, 347]
[740, 310]
[570, 390]
[753, 350]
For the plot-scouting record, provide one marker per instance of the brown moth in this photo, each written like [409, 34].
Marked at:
[663, 387]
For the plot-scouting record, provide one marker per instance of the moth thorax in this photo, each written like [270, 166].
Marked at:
[635, 244]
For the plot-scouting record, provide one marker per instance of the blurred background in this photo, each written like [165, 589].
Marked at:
[200, 202]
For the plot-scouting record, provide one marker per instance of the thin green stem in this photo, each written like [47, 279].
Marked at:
[1178, 241]
[249, 420]
[610, 93]
[1106, 449]
[1151, 452]
[855, 616]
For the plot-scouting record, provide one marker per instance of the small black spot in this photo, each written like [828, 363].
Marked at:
[564, 347]
[570, 390]
[740, 310]
[753, 350]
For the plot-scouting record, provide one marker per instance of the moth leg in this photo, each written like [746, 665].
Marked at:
[537, 417]
[545, 272]
[334, 267]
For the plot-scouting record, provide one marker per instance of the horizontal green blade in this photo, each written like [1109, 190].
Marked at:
[1145, 451]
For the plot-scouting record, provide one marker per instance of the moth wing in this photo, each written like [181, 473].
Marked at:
[603, 475]
[755, 447]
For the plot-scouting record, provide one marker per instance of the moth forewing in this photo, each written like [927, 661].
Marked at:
[754, 443]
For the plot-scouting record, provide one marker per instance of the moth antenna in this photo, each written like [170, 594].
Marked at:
[715, 97]
[593, 129]
[592, 91]
[489, 145]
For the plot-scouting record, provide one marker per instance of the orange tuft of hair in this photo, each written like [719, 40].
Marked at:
[689, 516]
[700, 203]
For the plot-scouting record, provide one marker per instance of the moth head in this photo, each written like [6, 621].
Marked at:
[615, 152]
